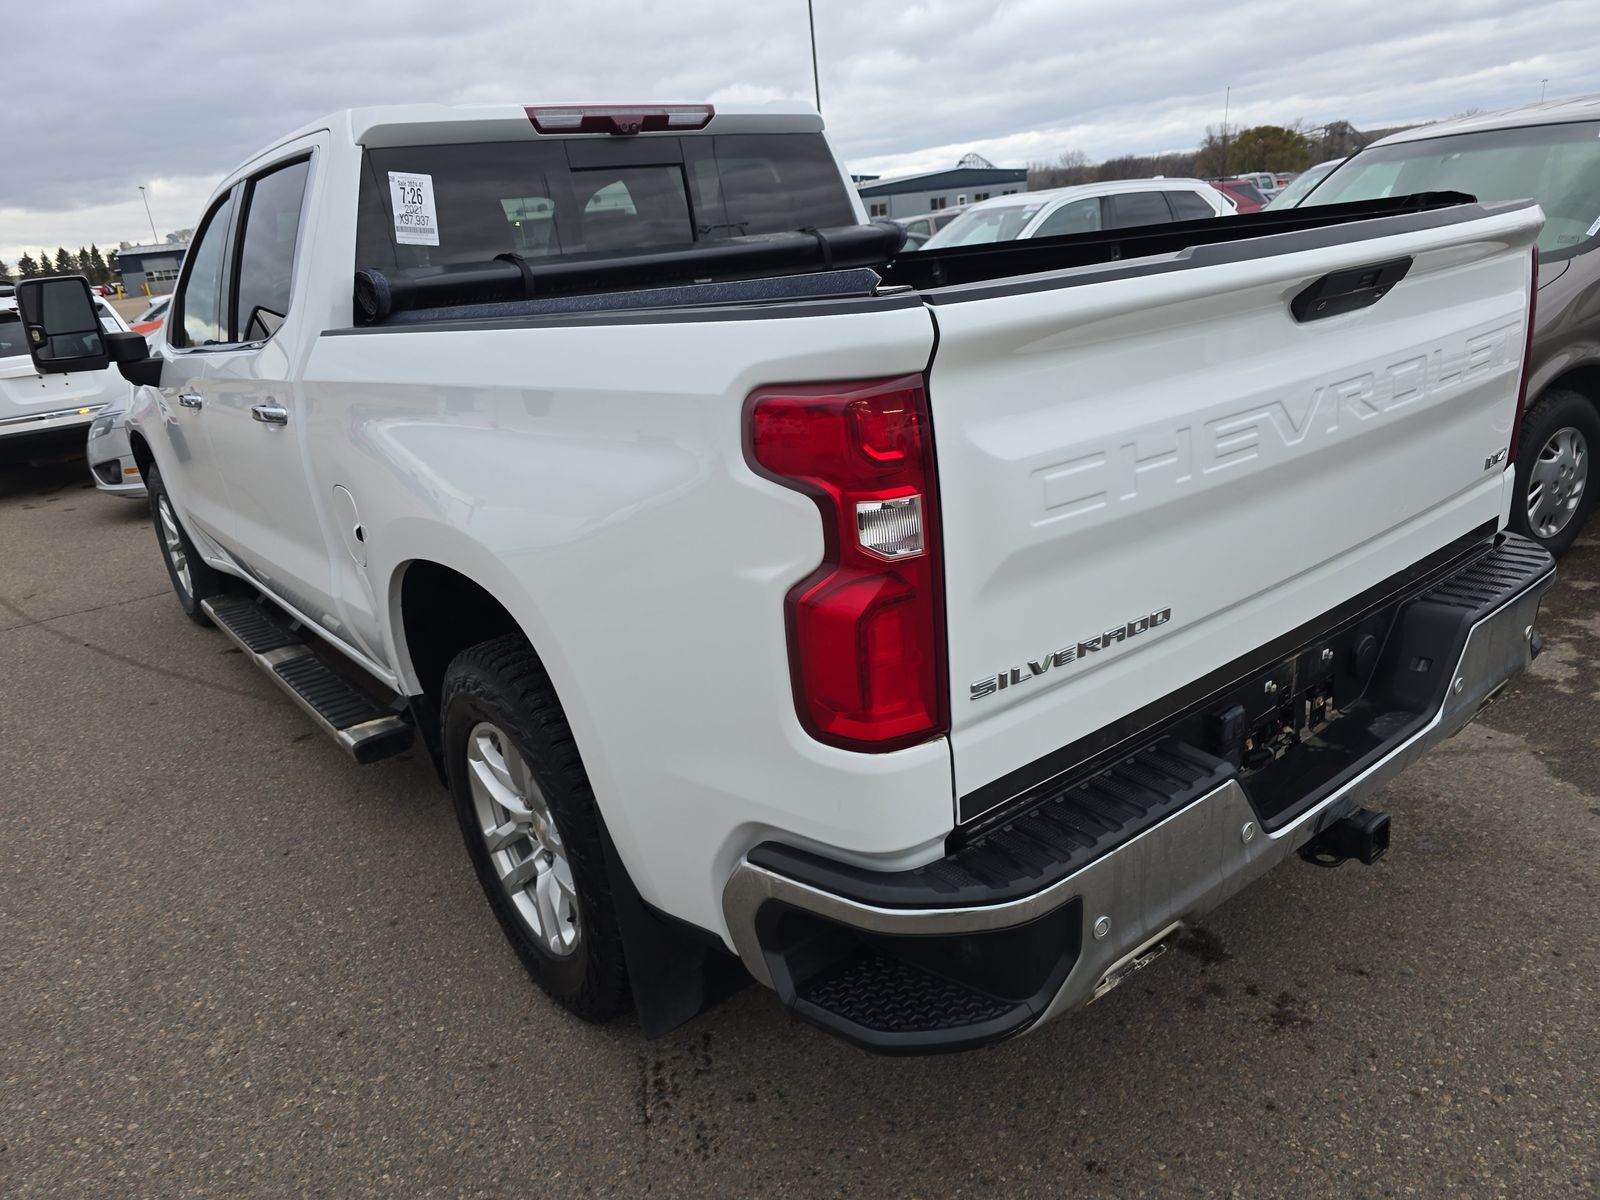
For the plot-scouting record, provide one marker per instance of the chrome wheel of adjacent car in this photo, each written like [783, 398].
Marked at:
[172, 545]
[1557, 481]
[522, 839]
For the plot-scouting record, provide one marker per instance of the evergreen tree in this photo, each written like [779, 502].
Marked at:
[83, 264]
[5, 271]
[44, 263]
[65, 263]
[98, 270]
[26, 267]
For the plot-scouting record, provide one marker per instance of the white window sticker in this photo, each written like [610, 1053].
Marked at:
[416, 222]
[1593, 229]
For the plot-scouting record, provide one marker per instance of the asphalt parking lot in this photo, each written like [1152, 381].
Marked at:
[234, 963]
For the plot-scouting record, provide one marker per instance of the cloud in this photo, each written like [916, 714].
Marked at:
[172, 94]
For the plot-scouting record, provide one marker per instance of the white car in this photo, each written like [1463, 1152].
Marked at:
[111, 464]
[938, 634]
[1087, 208]
[42, 414]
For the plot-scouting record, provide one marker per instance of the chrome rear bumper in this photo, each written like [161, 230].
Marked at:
[1134, 896]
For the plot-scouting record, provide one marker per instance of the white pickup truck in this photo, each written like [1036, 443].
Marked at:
[935, 634]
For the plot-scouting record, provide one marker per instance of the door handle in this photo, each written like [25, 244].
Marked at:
[270, 414]
[190, 400]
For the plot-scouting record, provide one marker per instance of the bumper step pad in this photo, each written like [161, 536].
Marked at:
[884, 994]
[366, 729]
[1061, 832]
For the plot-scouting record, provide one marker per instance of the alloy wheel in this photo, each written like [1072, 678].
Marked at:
[172, 545]
[522, 839]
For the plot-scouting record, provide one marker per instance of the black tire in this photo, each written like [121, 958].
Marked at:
[1556, 410]
[502, 683]
[203, 582]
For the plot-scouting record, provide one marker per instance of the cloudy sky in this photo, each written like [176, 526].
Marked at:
[104, 97]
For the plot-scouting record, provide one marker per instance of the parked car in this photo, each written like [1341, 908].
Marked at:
[45, 414]
[922, 227]
[1301, 185]
[986, 614]
[1551, 153]
[111, 465]
[1120, 204]
[152, 317]
[1264, 182]
[1246, 197]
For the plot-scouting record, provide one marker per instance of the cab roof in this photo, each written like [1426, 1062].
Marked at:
[433, 124]
[1551, 112]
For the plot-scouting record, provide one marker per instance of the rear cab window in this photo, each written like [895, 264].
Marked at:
[582, 196]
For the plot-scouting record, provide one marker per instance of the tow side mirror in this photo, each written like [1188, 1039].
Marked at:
[62, 325]
[132, 355]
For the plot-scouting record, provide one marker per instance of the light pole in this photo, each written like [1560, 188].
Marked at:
[1227, 99]
[155, 238]
[1542, 84]
[816, 82]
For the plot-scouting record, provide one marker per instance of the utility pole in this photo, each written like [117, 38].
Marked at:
[1542, 84]
[816, 80]
[155, 238]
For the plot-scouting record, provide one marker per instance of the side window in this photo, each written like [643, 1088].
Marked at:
[266, 256]
[199, 297]
[1080, 216]
[1189, 206]
[1139, 208]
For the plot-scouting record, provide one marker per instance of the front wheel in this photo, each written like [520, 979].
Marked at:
[192, 579]
[530, 823]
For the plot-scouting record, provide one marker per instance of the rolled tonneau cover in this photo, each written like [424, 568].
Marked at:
[380, 293]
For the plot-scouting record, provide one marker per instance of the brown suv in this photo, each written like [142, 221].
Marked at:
[1552, 153]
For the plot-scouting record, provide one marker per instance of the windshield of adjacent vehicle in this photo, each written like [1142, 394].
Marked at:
[1557, 165]
[587, 196]
[1296, 189]
[157, 309]
[979, 226]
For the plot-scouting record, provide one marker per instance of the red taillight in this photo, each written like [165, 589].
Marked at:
[866, 628]
[621, 119]
[1527, 363]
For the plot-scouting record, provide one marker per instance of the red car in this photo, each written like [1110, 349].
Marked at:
[1244, 194]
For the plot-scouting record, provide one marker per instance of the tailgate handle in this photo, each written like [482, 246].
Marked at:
[1346, 291]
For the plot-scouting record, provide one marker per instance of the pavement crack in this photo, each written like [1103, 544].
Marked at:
[44, 623]
[29, 620]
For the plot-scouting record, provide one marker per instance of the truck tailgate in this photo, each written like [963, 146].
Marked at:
[1149, 470]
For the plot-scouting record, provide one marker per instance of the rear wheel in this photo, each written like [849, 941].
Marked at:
[528, 816]
[1553, 495]
[192, 579]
